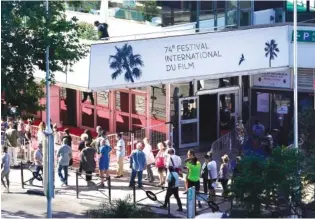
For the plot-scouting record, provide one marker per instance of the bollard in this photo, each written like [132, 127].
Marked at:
[22, 175]
[109, 190]
[134, 193]
[77, 183]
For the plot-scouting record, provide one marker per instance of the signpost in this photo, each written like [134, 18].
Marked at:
[305, 36]
[191, 203]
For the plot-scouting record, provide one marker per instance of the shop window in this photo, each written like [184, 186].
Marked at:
[102, 119]
[87, 117]
[137, 123]
[122, 101]
[87, 97]
[244, 4]
[158, 103]
[138, 104]
[245, 18]
[122, 123]
[102, 98]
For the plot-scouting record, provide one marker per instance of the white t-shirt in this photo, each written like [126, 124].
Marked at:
[120, 149]
[147, 150]
[38, 156]
[213, 170]
[176, 160]
[6, 162]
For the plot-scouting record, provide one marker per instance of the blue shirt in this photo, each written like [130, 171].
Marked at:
[137, 160]
[104, 151]
[64, 154]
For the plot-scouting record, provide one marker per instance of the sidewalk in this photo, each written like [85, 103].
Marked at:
[65, 197]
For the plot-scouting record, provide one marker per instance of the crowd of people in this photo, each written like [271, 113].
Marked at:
[168, 165]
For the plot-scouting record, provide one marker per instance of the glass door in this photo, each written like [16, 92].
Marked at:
[228, 112]
[188, 117]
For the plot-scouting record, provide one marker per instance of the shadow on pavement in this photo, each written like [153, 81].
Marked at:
[56, 214]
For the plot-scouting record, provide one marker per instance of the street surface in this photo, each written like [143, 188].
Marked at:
[19, 203]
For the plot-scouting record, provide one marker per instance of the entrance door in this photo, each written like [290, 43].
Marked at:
[228, 111]
[188, 120]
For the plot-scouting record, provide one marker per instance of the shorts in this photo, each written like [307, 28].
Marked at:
[210, 182]
[5, 174]
[195, 184]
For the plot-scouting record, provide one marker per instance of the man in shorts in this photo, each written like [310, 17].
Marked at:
[5, 168]
[213, 175]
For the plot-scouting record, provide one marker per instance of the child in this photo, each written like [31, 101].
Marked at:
[5, 168]
[172, 189]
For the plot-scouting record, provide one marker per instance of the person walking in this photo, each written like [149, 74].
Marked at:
[193, 176]
[160, 162]
[68, 137]
[104, 160]
[88, 161]
[213, 175]
[137, 164]
[172, 189]
[149, 158]
[64, 155]
[89, 135]
[120, 154]
[102, 30]
[28, 141]
[38, 158]
[224, 173]
[174, 161]
[84, 138]
[205, 174]
[11, 135]
[5, 168]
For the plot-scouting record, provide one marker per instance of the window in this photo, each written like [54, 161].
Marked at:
[138, 104]
[102, 98]
[122, 101]
[102, 119]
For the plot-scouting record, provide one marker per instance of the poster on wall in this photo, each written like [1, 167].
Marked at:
[263, 102]
[273, 79]
[162, 60]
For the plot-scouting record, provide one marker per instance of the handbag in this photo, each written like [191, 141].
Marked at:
[159, 162]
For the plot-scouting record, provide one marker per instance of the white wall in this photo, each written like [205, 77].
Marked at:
[306, 50]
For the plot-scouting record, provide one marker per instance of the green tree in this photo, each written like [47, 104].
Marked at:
[307, 130]
[87, 31]
[25, 33]
[84, 6]
[149, 9]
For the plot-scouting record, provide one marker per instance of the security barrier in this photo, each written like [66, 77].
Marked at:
[150, 195]
[107, 179]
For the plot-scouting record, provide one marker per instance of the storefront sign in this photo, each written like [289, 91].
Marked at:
[305, 36]
[275, 79]
[282, 109]
[176, 58]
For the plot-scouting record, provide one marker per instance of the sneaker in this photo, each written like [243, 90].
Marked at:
[180, 209]
[131, 186]
[163, 206]
[146, 179]
[117, 177]
[185, 192]
[140, 186]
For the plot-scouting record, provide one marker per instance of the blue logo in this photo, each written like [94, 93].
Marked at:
[126, 63]
[271, 50]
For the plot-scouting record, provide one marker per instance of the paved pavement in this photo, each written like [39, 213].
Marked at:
[65, 204]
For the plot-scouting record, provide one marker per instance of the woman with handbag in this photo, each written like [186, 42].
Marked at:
[160, 163]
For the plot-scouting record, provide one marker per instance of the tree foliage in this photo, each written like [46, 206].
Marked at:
[87, 31]
[150, 10]
[277, 184]
[307, 129]
[25, 34]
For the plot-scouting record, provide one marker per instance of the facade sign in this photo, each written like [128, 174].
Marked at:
[305, 36]
[161, 60]
[273, 79]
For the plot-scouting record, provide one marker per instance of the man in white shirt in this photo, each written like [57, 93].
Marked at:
[173, 160]
[120, 154]
[213, 175]
[38, 157]
[149, 158]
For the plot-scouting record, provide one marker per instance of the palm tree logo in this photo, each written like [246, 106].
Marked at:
[127, 63]
[271, 50]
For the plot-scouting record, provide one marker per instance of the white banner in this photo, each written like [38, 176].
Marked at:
[273, 79]
[152, 61]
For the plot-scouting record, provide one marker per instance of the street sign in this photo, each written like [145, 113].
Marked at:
[305, 36]
[191, 203]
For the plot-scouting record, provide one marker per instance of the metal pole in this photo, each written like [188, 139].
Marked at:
[295, 73]
[48, 132]
[198, 16]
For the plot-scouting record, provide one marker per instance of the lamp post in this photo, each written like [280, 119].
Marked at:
[295, 74]
[49, 151]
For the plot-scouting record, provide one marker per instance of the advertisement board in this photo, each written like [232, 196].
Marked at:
[158, 60]
[273, 79]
